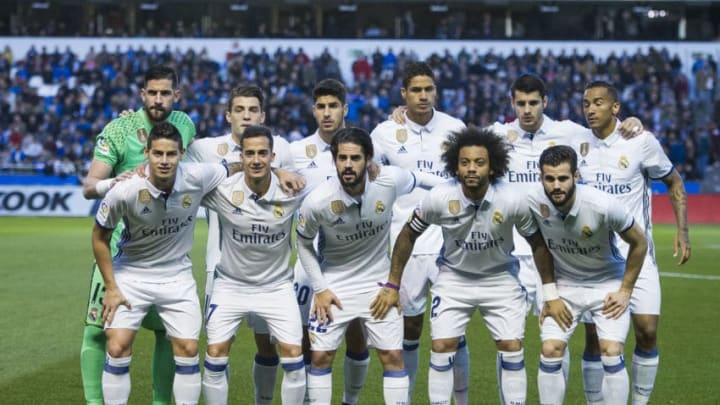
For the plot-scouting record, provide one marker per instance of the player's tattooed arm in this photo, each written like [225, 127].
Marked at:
[389, 294]
[678, 199]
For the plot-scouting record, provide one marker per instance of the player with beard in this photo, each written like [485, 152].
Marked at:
[118, 150]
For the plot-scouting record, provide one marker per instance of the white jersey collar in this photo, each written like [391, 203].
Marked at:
[418, 129]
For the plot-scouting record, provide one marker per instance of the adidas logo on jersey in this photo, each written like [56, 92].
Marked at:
[145, 210]
[312, 165]
[339, 221]
[237, 211]
[402, 150]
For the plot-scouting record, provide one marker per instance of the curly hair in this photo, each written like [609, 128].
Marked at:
[498, 150]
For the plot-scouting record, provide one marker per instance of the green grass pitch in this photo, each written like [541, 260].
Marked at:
[45, 272]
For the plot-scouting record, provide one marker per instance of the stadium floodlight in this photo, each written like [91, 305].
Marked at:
[149, 6]
[239, 7]
[40, 5]
[439, 8]
[347, 7]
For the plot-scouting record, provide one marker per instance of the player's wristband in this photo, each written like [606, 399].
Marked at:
[390, 286]
[550, 292]
[103, 186]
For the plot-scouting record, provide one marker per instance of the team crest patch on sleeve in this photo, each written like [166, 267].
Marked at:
[512, 135]
[584, 149]
[586, 232]
[223, 149]
[624, 162]
[301, 220]
[278, 211]
[310, 151]
[454, 207]
[337, 207]
[379, 207]
[104, 209]
[401, 135]
[498, 218]
[237, 197]
[544, 211]
[102, 146]
[142, 135]
[186, 201]
[144, 196]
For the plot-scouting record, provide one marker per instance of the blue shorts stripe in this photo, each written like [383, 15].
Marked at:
[320, 371]
[215, 367]
[195, 368]
[395, 373]
[358, 356]
[298, 365]
[116, 370]
[267, 361]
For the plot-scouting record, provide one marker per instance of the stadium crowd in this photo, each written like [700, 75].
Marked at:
[54, 102]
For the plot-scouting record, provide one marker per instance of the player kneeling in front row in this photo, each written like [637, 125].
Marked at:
[477, 269]
[592, 275]
[152, 266]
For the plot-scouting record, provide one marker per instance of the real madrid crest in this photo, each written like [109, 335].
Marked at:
[454, 207]
[278, 211]
[586, 233]
[223, 149]
[144, 196]
[142, 135]
[624, 163]
[379, 207]
[401, 135]
[584, 149]
[237, 197]
[337, 207]
[310, 151]
[551, 144]
[498, 218]
[512, 135]
[186, 201]
[544, 210]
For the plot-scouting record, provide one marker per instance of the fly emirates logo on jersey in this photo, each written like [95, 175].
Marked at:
[259, 235]
[169, 226]
[606, 183]
[364, 229]
[573, 247]
[528, 174]
[428, 166]
[479, 241]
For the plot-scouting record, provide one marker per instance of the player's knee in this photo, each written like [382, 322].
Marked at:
[185, 347]
[413, 326]
[265, 347]
[289, 350]
[219, 349]
[391, 359]
[445, 345]
[116, 348]
[509, 345]
[646, 334]
[553, 348]
[611, 348]
[322, 359]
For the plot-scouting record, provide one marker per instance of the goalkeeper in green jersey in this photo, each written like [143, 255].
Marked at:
[118, 150]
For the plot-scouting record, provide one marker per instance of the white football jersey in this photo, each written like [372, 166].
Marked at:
[525, 150]
[416, 147]
[313, 160]
[255, 232]
[583, 242]
[353, 247]
[625, 169]
[477, 235]
[159, 227]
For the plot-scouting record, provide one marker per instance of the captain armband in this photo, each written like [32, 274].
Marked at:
[417, 224]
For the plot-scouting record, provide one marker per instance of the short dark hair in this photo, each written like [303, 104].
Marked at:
[355, 135]
[164, 130]
[556, 155]
[498, 150]
[159, 72]
[612, 91]
[528, 83]
[246, 91]
[255, 131]
[329, 87]
[414, 69]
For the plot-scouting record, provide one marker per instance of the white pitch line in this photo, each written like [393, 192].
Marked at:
[686, 275]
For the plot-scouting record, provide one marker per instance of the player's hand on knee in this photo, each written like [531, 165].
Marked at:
[322, 302]
[384, 300]
[616, 303]
[112, 300]
[557, 310]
